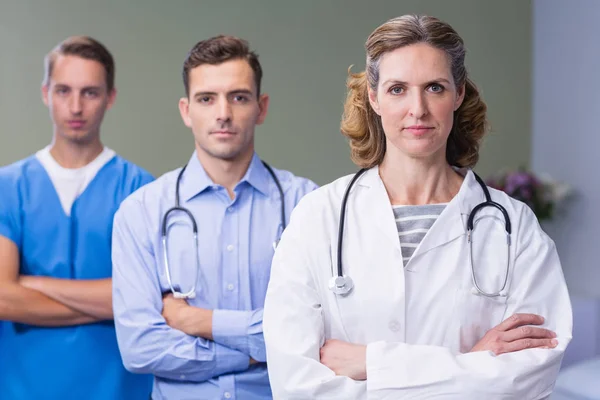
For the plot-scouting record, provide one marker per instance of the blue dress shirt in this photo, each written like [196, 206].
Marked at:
[235, 248]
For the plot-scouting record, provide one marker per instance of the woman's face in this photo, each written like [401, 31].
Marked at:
[416, 98]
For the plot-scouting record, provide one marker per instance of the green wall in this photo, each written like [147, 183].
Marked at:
[305, 48]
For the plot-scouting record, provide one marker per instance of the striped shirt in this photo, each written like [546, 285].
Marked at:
[413, 223]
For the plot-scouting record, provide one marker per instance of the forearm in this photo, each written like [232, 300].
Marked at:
[27, 306]
[169, 353]
[92, 297]
[399, 369]
[193, 321]
[297, 376]
[237, 329]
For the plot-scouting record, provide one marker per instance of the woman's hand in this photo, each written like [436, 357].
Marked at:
[345, 359]
[516, 333]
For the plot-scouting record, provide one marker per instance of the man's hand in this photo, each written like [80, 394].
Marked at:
[193, 321]
[514, 334]
[345, 359]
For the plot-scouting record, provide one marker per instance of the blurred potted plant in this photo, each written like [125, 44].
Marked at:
[541, 193]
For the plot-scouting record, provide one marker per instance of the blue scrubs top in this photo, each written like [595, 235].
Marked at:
[72, 362]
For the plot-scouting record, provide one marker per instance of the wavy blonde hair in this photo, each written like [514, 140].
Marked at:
[363, 126]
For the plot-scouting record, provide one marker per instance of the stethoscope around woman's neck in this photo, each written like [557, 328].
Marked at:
[342, 285]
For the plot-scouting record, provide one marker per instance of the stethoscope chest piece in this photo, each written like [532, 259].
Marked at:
[190, 295]
[341, 285]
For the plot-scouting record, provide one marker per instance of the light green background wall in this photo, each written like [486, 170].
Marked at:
[305, 48]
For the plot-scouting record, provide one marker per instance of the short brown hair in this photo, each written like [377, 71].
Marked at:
[84, 47]
[363, 126]
[218, 50]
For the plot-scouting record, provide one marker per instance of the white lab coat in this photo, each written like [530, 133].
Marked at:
[420, 320]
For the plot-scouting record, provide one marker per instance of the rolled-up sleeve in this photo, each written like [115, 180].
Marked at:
[240, 330]
[146, 342]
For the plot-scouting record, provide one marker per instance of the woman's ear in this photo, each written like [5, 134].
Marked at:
[373, 100]
[460, 96]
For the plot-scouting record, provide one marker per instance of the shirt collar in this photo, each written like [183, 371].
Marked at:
[258, 176]
[195, 180]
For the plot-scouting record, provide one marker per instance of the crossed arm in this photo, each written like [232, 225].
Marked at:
[515, 359]
[204, 323]
[514, 334]
[167, 337]
[45, 301]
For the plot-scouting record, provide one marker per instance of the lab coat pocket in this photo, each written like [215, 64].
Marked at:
[349, 327]
[476, 315]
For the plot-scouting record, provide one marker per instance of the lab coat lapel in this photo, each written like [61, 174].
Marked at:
[380, 211]
[452, 223]
[373, 259]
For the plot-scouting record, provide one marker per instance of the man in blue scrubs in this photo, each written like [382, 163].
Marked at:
[56, 213]
[210, 345]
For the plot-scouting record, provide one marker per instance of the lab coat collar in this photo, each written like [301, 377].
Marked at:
[452, 222]
[450, 225]
[378, 204]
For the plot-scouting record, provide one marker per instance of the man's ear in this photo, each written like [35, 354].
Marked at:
[45, 90]
[184, 110]
[263, 106]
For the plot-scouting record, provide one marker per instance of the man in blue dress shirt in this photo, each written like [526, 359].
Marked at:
[208, 344]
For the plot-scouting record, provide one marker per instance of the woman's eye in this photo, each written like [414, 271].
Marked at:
[436, 88]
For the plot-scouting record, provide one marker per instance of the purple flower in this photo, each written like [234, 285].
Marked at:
[527, 194]
[517, 180]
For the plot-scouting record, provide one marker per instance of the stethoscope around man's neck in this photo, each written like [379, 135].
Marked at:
[190, 294]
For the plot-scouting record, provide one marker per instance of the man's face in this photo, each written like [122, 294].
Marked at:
[77, 97]
[223, 109]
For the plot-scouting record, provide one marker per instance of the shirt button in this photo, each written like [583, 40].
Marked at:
[230, 209]
[230, 286]
[230, 247]
[394, 326]
[227, 395]
[181, 376]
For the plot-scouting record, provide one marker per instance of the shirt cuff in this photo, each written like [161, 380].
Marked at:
[230, 328]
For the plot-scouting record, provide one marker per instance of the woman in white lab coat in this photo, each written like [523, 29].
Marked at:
[415, 323]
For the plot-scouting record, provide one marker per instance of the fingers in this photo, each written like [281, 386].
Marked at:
[517, 320]
[522, 344]
[527, 332]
